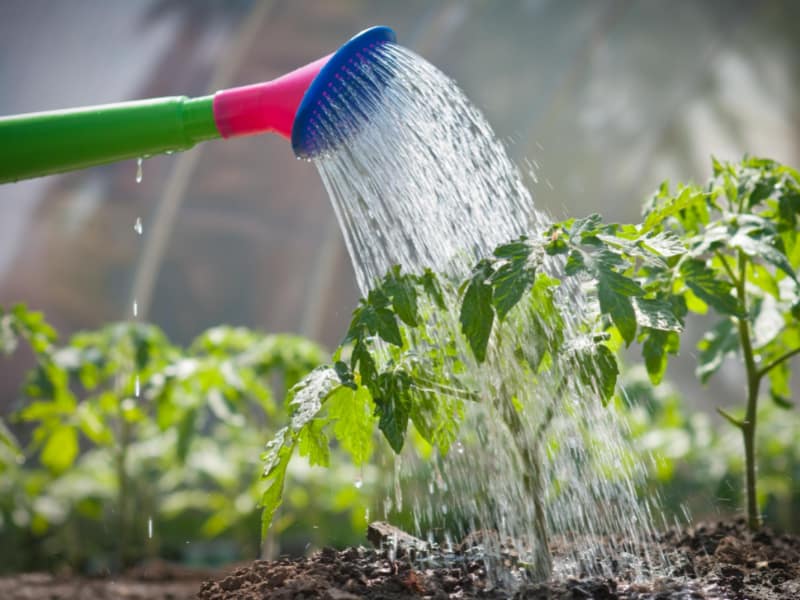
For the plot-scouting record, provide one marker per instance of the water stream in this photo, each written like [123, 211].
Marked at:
[424, 182]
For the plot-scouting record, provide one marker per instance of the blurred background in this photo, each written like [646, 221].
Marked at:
[601, 100]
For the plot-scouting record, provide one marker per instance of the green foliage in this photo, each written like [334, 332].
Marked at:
[731, 246]
[406, 363]
[741, 260]
[127, 426]
[697, 465]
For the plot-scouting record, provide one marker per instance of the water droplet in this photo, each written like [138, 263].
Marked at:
[150, 528]
[135, 308]
[139, 170]
[137, 227]
[459, 447]
[359, 483]
[136, 387]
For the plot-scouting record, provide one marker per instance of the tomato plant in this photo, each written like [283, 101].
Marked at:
[414, 339]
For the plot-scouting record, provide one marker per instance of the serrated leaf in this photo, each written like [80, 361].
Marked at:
[386, 326]
[779, 387]
[344, 374]
[715, 346]
[518, 250]
[312, 442]
[272, 450]
[614, 292]
[575, 263]
[708, 287]
[763, 250]
[353, 416]
[510, 282]
[402, 291]
[431, 286]
[477, 314]
[657, 344]
[305, 399]
[685, 200]
[665, 243]
[392, 406]
[272, 496]
[656, 314]
[393, 422]
[597, 367]
[586, 227]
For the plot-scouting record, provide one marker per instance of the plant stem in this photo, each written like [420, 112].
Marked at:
[532, 478]
[748, 426]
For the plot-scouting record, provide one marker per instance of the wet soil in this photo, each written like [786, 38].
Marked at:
[712, 560]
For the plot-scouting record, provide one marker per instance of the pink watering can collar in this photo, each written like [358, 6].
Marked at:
[287, 105]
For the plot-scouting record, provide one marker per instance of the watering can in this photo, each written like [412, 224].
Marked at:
[37, 144]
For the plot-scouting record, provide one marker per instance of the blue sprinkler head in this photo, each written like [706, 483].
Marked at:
[340, 82]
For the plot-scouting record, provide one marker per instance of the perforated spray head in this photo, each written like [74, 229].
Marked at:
[339, 93]
[296, 104]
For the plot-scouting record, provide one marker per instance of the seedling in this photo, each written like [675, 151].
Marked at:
[731, 246]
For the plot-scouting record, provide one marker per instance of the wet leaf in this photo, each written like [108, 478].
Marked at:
[477, 314]
[353, 416]
[715, 346]
[707, 286]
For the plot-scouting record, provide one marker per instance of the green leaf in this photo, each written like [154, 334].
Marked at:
[656, 346]
[431, 286]
[687, 199]
[656, 314]
[665, 243]
[362, 360]
[386, 326]
[352, 413]
[709, 287]
[779, 388]
[393, 408]
[575, 263]
[762, 250]
[272, 496]
[598, 368]
[403, 293]
[716, 344]
[510, 282]
[586, 227]
[345, 374]
[313, 443]
[61, 449]
[614, 291]
[477, 315]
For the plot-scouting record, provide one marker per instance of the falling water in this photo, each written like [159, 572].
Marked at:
[139, 170]
[425, 183]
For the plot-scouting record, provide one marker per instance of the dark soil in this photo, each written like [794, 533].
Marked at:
[714, 561]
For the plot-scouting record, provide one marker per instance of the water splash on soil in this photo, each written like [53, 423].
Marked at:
[424, 182]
